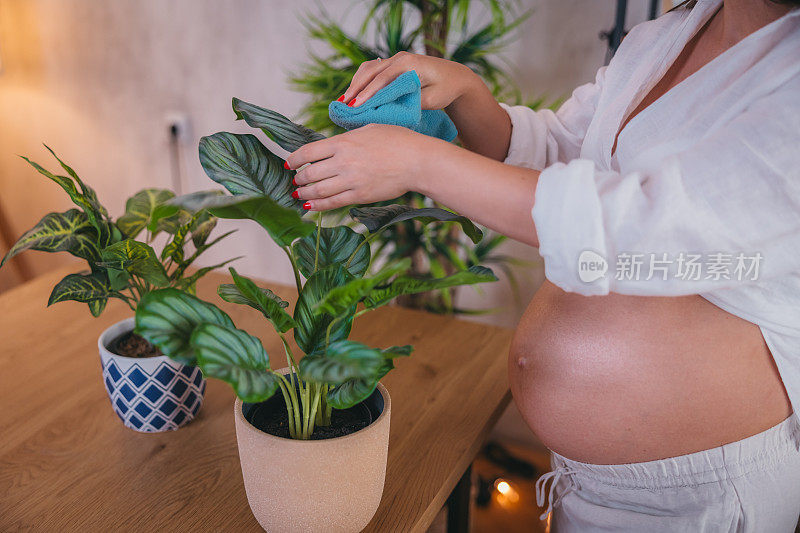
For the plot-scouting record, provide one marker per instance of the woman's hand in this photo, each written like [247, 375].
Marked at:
[366, 165]
[377, 162]
[483, 126]
[442, 81]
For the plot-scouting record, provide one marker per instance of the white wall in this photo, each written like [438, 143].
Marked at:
[97, 79]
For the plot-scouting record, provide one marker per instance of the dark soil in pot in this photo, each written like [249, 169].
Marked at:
[132, 345]
[271, 417]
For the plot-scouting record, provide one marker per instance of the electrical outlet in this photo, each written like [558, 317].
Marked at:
[178, 126]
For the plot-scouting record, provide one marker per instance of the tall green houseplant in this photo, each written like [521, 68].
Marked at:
[335, 372]
[440, 28]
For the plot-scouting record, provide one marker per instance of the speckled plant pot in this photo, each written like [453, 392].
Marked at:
[331, 485]
[151, 394]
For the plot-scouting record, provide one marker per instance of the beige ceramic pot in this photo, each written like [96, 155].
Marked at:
[332, 485]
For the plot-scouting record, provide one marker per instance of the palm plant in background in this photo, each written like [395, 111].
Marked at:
[440, 28]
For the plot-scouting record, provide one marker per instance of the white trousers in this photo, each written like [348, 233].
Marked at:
[752, 485]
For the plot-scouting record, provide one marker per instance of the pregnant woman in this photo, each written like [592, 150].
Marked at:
[660, 361]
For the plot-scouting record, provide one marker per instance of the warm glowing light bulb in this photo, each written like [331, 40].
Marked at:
[503, 487]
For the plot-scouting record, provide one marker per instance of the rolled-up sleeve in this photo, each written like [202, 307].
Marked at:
[541, 138]
[735, 192]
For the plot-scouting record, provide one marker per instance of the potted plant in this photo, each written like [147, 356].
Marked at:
[149, 391]
[314, 456]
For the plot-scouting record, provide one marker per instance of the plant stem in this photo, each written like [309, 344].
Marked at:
[294, 269]
[289, 408]
[311, 414]
[368, 239]
[319, 230]
[293, 399]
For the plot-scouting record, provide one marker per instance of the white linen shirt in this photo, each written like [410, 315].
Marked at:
[711, 169]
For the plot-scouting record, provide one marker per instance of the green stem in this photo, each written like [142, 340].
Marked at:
[311, 415]
[293, 398]
[294, 268]
[319, 230]
[328, 333]
[368, 239]
[288, 402]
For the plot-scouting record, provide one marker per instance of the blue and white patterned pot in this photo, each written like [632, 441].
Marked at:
[150, 394]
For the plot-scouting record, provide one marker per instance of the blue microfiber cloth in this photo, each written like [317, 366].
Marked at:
[400, 104]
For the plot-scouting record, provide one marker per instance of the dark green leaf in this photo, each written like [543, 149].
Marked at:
[139, 209]
[284, 225]
[86, 288]
[60, 232]
[287, 134]
[245, 291]
[236, 357]
[311, 326]
[343, 360]
[339, 299]
[336, 245]
[243, 165]
[375, 218]
[167, 318]
[398, 351]
[407, 285]
[137, 259]
[354, 391]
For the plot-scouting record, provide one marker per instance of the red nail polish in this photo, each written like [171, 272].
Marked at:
[307, 206]
[295, 195]
[340, 99]
[351, 103]
[286, 165]
[294, 182]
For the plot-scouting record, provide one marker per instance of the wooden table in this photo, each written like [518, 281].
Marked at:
[68, 464]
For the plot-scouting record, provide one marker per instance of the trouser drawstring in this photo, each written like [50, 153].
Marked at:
[541, 485]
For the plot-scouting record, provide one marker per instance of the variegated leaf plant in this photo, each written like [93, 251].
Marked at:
[335, 372]
[119, 265]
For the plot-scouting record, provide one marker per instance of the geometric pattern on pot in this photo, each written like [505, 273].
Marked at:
[153, 394]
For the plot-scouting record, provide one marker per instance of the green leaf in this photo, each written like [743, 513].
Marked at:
[135, 258]
[236, 357]
[90, 288]
[375, 218]
[167, 318]
[139, 208]
[284, 225]
[287, 134]
[202, 227]
[88, 193]
[408, 285]
[356, 390]
[336, 245]
[343, 360]
[397, 351]
[340, 299]
[311, 326]
[243, 165]
[245, 291]
[174, 248]
[188, 283]
[69, 232]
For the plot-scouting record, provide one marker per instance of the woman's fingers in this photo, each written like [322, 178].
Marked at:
[318, 171]
[365, 73]
[311, 152]
[333, 202]
[378, 82]
[323, 189]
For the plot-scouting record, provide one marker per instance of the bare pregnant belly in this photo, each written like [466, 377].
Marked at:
[620, 379]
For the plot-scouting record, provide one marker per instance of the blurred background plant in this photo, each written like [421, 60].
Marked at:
[471, 32]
